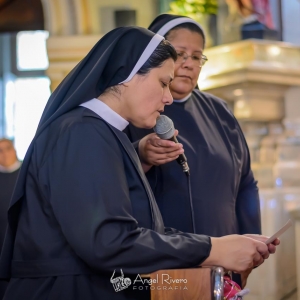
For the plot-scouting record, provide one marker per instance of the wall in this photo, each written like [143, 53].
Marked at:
[146, 11]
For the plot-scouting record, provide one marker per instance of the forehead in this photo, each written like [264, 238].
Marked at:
[166, 69]
[186, 39]
[5, 144]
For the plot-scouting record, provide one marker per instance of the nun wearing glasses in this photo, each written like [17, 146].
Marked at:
[82, 209]
[222, 195]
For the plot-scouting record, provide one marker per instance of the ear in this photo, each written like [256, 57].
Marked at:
[124, 84]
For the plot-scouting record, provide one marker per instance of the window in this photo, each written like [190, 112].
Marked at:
[27, 89]
[31, 50]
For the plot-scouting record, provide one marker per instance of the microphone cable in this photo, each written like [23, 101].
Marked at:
[191, 202]
[165, 130]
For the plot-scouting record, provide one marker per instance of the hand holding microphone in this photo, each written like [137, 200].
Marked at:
[165, 130]
[154, 151]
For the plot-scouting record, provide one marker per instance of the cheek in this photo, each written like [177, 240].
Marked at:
[196, 74]
[154, 93]
[177, 67]
[146, 103]
[181, 83]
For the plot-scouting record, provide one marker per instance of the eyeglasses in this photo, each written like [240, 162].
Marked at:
[197, 60]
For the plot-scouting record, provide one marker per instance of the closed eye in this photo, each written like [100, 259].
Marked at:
[195, 57]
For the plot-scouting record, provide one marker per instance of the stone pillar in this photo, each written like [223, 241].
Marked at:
[254, 75]
[65, 52]
[298, 251]
[292, 117]
[296, 215]
[261, 80]
[292, 103]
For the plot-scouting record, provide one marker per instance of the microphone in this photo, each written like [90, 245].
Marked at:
[165, 130]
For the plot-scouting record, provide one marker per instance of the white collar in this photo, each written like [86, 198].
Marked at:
[15, 166]
[106, 113]
[183, 99]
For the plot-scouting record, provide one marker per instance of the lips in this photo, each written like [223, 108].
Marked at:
[184, 76]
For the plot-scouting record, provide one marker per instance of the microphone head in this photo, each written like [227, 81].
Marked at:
[164, 127]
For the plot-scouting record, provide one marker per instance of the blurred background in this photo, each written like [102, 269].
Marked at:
[253, 50]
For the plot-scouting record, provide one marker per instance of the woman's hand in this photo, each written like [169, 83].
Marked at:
[154, 151]
[263, 238]
[237, 253]
[271, 249]
[244, 277]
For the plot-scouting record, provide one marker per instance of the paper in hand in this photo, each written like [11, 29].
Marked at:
[271, 239]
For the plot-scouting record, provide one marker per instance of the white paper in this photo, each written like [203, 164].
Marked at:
[287, 225]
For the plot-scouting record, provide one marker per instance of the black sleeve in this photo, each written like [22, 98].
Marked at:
[88, 190]
[136, 146]
[136, 134]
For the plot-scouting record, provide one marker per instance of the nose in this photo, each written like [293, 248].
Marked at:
[167, 97]
[187, 63]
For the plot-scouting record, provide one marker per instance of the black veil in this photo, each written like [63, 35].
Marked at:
[114, 59]
[165, 22]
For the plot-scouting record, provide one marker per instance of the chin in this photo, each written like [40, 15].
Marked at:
[146, 125]
[184, 89]
[149, 126]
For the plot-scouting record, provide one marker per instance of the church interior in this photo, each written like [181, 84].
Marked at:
[256, 71]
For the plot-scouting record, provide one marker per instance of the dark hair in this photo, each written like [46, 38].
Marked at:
[189, 26]
[163, 51]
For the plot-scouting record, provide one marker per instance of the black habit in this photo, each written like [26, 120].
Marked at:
[82, 207]
[224, 192]
[7, 184]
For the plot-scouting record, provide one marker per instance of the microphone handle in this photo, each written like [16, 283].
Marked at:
[181, 159]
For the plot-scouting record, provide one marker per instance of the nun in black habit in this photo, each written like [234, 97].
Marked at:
[82, 207]
[9, 170]
[223, 190]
